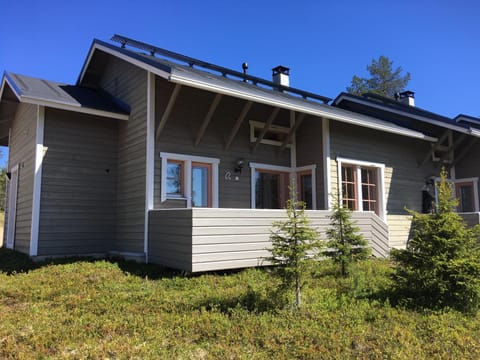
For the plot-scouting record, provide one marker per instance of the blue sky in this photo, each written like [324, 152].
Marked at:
[323, 42]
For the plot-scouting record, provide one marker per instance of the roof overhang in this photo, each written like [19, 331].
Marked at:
[70, 106]
[355, 99]
[217, 84]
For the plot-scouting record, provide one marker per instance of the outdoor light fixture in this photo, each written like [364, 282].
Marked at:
[239, 166]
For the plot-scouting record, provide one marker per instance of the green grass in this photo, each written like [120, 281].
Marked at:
[100, 309]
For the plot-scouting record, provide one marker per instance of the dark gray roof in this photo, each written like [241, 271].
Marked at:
[49, 93]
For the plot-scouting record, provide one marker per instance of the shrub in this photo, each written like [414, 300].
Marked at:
[295, 245]
[441, 264]
[345, 245]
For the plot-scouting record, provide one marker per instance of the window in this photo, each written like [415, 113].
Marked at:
[271, 189]
[275, 135]
[466, 191]
[305, 188]
[361, 185]
[192, 178]
[270, 185]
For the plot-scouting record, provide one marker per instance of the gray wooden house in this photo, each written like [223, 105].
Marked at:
[163, 158]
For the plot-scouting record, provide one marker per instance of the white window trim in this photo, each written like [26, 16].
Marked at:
[473, 180]
[188, 159]
[274, 128]
[380, 180]
[292, 173]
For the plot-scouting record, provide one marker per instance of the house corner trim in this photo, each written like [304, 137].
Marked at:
[37, 180]
[327, 175]
[150, 156]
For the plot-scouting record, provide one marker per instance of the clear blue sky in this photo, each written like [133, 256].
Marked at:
[323, 42]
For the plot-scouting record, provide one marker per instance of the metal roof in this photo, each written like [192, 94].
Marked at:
[62, 96]
[201, 79]
[395, 107]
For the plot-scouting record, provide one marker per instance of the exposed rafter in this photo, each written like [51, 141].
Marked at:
[266, 127]
[237, 124]
[168, 109]
[439, 146]
[298, 122]
[208, 118]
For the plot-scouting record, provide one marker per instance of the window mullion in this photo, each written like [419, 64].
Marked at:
[359, 188]
[188, 182]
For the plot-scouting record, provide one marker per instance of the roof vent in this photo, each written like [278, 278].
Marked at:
[281, 75]
[406, 97]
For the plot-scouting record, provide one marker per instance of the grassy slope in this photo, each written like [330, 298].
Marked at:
[100, 309]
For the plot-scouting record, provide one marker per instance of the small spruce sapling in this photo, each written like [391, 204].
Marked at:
[441, 265]
[345, 244]
[295, 245]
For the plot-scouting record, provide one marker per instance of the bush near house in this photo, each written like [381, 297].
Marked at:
[98, 309]
[441, 265]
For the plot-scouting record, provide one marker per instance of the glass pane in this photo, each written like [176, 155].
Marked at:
[306, 190]
[267, 190]
[200, 185]
[174, 179]
[466, 198]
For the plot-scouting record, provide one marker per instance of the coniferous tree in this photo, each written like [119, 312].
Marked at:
[345, 244]
[295, 245]
[441, 265]
[383, 79]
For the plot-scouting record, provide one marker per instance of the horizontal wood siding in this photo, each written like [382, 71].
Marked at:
[181, 129]
[170, 238]
[404, 179]
[468, 166]
[129, 84]
[471, 219]
[400, 230]
[22, 152]
[79, 181]
[310, 152]
[218, 239]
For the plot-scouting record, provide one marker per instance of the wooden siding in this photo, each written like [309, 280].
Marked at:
[170, 238]
[469, 166]
[22, 152]
[400, 230]
[129, 84]
[213, 239]
[179, 133]
[310, 152]
[77, 208]
[404, 179]
[471, 219]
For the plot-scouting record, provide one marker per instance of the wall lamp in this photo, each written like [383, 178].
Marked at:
[239, 166]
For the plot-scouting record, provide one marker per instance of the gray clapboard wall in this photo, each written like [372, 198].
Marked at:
[201, 239]
[404, 179]
[181, 129]
[468, 166]
[22, 152]
[129, 84]
[79, 180]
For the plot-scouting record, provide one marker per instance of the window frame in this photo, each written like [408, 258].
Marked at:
[293, 173]
[358, 165]
[258, 125]
[187, 176]
[455, 182]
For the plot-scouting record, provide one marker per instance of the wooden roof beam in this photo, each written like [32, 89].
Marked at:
[298, 122]
[266, 127]
[168, 109]
[208, 118]
[464, 151]
[434, 147]
[237, 124]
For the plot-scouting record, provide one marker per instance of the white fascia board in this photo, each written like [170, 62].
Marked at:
[413, 116]
[124, 57]
[70, 107]
[354, 119]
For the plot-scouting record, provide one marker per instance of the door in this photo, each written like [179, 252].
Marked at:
[12, 207]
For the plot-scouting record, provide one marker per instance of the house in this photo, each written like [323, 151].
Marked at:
[163, 158]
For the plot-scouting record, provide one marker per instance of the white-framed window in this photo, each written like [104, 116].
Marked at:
[270, 185]
[361, 185]
[190, 178]
[275, 134]
[466, 191]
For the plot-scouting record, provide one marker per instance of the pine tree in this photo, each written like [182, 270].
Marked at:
[295, 245]
[441, 265]
[345, 244]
